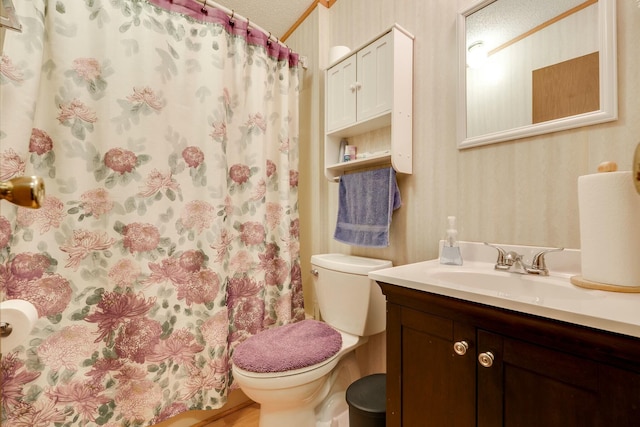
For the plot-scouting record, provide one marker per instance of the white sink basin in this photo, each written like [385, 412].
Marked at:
[548, 296]
[533, 289]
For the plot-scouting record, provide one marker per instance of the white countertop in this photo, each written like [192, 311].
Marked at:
[552, 297]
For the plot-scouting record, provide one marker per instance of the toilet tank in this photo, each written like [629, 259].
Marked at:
[348, 300]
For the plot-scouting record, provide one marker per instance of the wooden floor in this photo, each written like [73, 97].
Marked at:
[245, 417]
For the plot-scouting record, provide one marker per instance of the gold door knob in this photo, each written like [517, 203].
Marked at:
[26, 191]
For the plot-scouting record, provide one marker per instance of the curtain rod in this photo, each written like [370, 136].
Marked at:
[233, 15]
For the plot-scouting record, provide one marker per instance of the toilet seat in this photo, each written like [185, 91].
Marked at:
[287, 348]
[348, 342]
[294, 372]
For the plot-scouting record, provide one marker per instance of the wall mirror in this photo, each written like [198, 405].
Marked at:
[533, 67]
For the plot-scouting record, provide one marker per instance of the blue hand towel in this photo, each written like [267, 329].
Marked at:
[365, 205]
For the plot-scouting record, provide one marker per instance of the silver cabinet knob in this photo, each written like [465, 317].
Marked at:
[460, 348]
[486, 359]
[314, 272]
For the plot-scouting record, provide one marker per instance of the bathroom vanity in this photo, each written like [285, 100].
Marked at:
[465, 355]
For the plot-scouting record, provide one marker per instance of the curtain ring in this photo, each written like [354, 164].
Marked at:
[269, 39]
[204, 10]
[248, 29]
[233, 13]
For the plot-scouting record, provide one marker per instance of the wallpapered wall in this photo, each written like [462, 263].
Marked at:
[522, 192]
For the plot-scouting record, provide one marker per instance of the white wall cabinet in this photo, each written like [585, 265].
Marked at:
[341, 94]
[371, 89]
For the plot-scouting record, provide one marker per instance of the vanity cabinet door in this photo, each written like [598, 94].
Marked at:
[436, 385]
[530, 386]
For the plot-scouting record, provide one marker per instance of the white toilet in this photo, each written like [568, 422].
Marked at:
[318, 356]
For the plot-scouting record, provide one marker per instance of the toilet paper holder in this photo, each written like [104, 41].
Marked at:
[5, 329]
[16, 323]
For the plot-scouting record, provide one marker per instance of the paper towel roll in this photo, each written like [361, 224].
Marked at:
[609, 228]
[337, 52]
[21, 315]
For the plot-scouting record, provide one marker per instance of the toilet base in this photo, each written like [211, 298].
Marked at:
[325, 404]
[303, 419]
[296, 417]
[340, 420]
[275, 412]
[333, 411]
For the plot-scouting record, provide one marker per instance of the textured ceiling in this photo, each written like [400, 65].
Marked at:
[511, 17]
[504, 20]
[274, 16]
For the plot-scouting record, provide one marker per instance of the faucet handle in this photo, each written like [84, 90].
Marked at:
[538, 264]
[503, 262]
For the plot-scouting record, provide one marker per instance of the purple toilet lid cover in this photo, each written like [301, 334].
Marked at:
[289, 347]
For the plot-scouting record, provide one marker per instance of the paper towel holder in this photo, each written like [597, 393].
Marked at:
[636, 168]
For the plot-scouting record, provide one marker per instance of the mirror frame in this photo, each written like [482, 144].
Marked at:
[608, 84]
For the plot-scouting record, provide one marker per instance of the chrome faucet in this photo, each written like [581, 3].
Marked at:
[513, 262]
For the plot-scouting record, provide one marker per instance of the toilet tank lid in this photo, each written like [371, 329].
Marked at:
[349, 263]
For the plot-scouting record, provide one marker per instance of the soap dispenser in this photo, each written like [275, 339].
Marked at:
[450, 254]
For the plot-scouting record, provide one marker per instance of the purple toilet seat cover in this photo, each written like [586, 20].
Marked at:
[289, 347]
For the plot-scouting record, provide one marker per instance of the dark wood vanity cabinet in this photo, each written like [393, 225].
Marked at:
[538, 372]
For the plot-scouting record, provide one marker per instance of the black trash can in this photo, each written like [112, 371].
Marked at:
[367, 400]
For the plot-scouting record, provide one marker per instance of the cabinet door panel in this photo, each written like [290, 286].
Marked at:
[532, 399]
[437, 384]
[375, 65]
[622, 388]
[529, 386]
[341, 94]
[490, 381]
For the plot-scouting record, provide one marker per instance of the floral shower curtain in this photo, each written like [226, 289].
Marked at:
[167, 137]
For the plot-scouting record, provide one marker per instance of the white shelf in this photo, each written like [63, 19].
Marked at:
[363, 126]
[374, 160]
